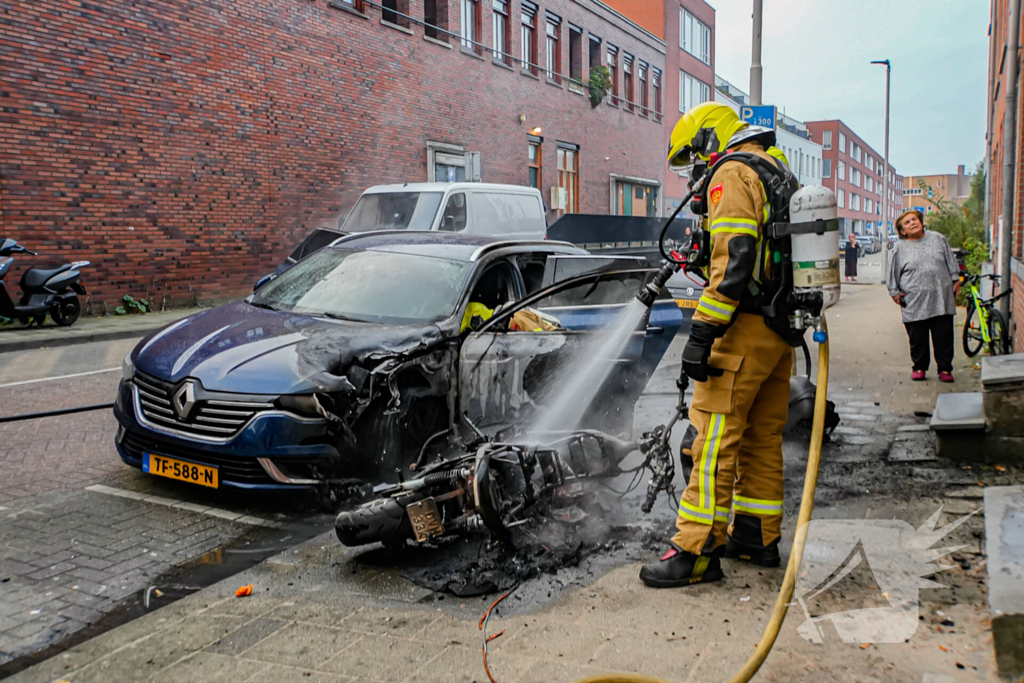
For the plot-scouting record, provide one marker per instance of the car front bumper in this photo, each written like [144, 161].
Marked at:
[275, 451]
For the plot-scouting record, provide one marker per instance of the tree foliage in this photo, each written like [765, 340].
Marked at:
[961, 225]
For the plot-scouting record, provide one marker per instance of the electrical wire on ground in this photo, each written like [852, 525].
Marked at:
[483, 627]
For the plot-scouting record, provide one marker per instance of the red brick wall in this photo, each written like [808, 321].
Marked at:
[185, 148]
[1017, 313]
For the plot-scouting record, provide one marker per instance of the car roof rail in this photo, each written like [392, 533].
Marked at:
[503, 244]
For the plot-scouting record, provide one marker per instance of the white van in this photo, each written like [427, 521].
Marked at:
[510, 211]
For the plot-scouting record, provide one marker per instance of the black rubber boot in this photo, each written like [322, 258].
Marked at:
[680, 568]
[746, 543]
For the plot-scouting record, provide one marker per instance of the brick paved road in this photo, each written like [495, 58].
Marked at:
[69, 555]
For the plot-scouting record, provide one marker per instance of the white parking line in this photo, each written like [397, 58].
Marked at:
[191, 507]
[50, 379]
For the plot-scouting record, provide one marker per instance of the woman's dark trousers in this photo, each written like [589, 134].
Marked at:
[941, 330]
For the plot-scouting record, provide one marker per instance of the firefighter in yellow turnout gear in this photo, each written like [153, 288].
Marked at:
[740, 366]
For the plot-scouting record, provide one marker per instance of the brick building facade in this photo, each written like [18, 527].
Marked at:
[995, 111]
[855, 172]
[185, 148]
[688, 29]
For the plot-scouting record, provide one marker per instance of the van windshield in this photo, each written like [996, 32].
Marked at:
[393, 211]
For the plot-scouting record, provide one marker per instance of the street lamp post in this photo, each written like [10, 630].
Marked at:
[885, 178]
[755, 57]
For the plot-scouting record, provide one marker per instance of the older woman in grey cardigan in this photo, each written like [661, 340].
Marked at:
[924, 279]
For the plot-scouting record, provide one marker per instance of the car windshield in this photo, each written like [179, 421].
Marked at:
[368, 286]
[393, 211]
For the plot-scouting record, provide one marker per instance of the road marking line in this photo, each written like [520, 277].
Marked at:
[50, 379]
[192, 507]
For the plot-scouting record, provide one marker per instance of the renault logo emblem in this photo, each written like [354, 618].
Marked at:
[184, 399]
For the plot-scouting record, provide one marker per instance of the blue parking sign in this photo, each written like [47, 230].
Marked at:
[760, 115]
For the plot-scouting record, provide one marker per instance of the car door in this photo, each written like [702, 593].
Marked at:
[509, 379]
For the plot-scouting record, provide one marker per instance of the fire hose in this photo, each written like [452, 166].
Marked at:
[796, 556]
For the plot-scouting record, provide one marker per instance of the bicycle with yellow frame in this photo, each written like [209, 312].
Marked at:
[985, 326]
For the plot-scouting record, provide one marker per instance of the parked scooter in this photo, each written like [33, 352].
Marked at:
[44, 291]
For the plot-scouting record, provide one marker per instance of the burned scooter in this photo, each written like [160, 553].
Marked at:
[500, 486]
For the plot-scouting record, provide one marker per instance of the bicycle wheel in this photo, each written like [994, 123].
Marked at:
[997, 333]
[973, 338]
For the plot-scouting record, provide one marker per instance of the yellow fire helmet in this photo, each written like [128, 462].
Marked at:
[701, 132]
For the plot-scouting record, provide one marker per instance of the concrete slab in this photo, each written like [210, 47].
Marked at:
[1004, 538]
[996, 370]
[958, 411]
[913, 447]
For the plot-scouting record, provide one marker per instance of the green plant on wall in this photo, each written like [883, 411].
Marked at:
[131, 306]
[600, 83]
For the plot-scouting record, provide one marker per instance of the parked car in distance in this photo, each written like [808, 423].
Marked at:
[485, 209]
[344, 366]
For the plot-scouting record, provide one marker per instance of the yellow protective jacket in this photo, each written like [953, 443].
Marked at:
[737, 211]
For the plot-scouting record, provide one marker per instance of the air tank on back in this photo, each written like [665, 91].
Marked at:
[816, 256]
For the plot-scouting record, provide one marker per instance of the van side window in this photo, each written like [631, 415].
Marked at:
[453, 218]
[499, 213]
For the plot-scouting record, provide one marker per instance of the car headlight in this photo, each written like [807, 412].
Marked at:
[127, 367]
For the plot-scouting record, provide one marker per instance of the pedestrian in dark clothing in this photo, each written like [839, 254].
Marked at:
[924, 279]
[851, 258]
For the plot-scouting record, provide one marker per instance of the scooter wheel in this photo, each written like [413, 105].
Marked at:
[66, 311]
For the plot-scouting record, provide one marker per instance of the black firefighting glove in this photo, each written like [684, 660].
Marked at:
[698, 350]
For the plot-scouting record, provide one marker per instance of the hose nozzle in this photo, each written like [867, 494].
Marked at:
[648, 294]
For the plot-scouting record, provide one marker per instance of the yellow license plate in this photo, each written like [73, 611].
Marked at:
[162, 466]
[687, 303]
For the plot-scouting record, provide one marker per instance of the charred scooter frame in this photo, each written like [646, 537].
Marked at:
[495, 486]
[52, 291]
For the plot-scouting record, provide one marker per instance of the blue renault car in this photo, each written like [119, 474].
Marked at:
[364, 356]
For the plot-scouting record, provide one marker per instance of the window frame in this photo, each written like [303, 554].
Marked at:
[627, 80]
[641, 80]
[656, 88]
[684, 88]
[469, 31]
[553, 47]
[572, 175]
[841, 170]
[842, 142]
[612, 62]
[500, 28]
[691, 31]
[538, 142]
[575, 58]
[826, 139]
[528, 37]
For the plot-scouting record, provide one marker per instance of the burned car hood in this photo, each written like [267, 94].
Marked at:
[240, 348]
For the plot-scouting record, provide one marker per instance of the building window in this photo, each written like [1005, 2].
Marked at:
[692, 91]
[569, 175]
[855, 176]
[392, 11]
[841, 198]
[499, 27]
[656, 86]
[627, 80]
[641, 78]
[575, 58]
[826, 139]
[694, 36]
[357, 5]
[535, 162]
[528, 38]
[868, 185]
[553, 29]
[868, 207]
[868, 161]
[841, 170]
[435, 16]
[613, 69]
[842, 143]
[854, 202]
[855, 151]
[470, 24]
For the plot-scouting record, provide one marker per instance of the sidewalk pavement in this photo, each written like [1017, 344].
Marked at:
[15, 337]
[322, 613]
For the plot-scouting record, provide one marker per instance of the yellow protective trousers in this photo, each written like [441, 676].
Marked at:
[737, 455]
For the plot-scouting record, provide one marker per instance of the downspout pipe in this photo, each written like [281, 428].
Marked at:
[1009, 156]
[990, 116]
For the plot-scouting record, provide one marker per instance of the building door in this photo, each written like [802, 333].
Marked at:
[635, 199]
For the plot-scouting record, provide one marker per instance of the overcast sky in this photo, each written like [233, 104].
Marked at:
[816, 56]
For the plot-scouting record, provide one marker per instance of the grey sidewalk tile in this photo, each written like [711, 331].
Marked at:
[288, 674]
[210, 668]
[405, 624]
[385, 658]
[246, 636]
[302, 645]
[465, 664]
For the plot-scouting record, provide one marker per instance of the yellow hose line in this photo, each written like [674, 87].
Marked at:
[796, 556]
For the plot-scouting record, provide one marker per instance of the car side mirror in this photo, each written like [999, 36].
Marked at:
[263, 281]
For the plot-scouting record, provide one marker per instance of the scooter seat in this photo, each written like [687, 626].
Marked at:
[35, 278]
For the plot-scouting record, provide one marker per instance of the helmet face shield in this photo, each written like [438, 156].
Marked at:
[683, 160]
